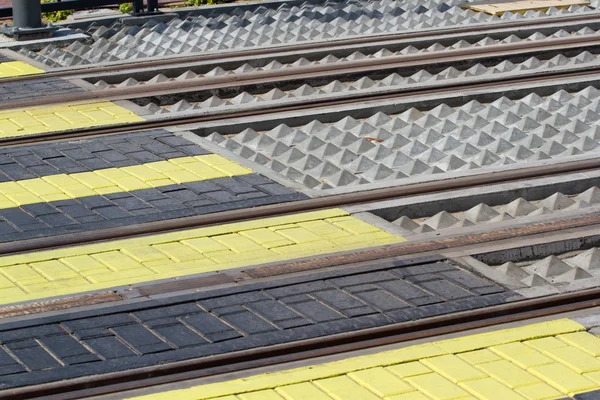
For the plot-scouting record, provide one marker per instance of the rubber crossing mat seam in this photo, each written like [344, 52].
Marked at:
[115, 180]
[18, 68]
[109, 264]
[22, 122]
[548, 360]
[128, 336]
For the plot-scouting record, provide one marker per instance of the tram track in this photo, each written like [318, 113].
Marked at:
[314, 105]
[359, 339]
[119, 382]
[330, 45]
[299, 206]
[521, 49]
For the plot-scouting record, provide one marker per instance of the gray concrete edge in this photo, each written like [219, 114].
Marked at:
[66, 37]
[413, 206]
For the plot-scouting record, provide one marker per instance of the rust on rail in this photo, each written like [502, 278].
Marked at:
[340, 200]
[120, 382]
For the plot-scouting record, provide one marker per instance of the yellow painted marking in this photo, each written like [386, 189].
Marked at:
[111, 180]
[423, 372]
[18, 68]
[588, 343]
[103, 265]
[522, 6]
[30, 121]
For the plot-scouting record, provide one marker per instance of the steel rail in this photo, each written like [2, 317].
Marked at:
[315, 71]
[343, 43]
[298, 206]
[309, 104]
[306, 349]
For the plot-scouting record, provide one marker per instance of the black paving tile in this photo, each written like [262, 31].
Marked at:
[33, 89]
[35, 161]
[595, 395]
[117, 338]
[124, 208]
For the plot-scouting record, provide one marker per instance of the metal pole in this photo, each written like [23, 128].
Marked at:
[27, 13]
[152, 6]
[138, 7]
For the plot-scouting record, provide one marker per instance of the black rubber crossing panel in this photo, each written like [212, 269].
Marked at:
[594, 395]
[221, 321]
[33, 89]
[124, 208]
[113, 151]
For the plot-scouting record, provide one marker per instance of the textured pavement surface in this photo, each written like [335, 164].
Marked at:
[112, 181]
[369, 81]
[308, 59]
[221, 321]
[415, 142]
[364, 85]
[62, 117]
[262, 26]
[120, 180]
[20, 91]
[78, 269]
[565, 272]
[516, 210]
[10, 68]
[549, 360]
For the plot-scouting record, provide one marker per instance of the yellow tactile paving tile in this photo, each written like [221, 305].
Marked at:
[522, 6]
[98, 266]
[18, 68]
[115, 180]
[469, 367]
[63, 117]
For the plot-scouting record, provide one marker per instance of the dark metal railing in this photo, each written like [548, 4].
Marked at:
[60, 5]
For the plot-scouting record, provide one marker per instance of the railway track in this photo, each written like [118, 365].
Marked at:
[305, 73]
[314, 105]
[312, 348]
[471, 251]
[330, 45]
[300, 206]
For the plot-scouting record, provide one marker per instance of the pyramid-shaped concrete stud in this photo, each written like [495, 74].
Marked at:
[535, 280]
[275, 149]
[480, 213]
[512, 270]
[441, 220]
[361, 164]
[588, 260]
[519, 207]
[557, 201]
[406, 223]
[501, 217]
[377, 173]
[572, 275]
[424, 228]
[549, 267]
[590, 196]
[341, 178]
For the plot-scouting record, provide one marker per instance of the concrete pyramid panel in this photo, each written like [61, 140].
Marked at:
[549, 267]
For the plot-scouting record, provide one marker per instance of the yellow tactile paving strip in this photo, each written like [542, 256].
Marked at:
[22, 122]
[17, 68]
[548, 360]
[115, 180]
[522, 6]
[103, 265]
